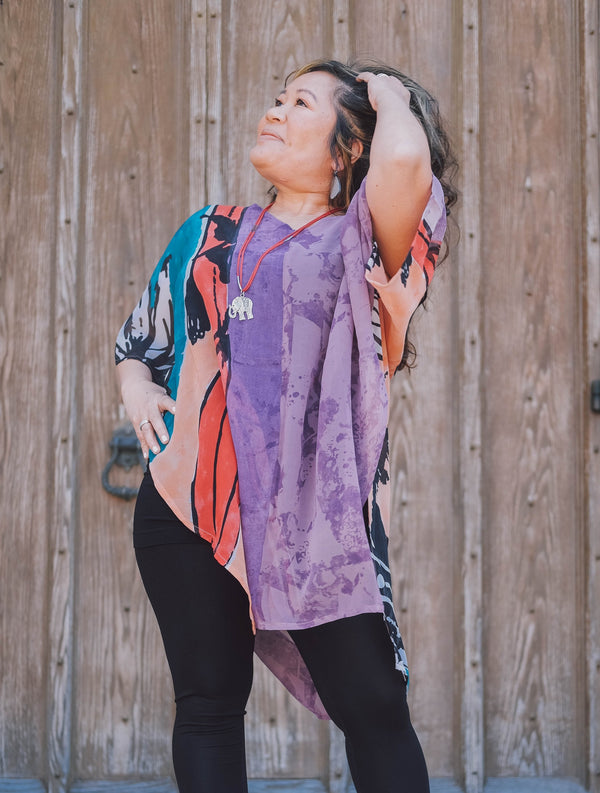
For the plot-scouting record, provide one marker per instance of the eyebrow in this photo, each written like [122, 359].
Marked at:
[302, 91]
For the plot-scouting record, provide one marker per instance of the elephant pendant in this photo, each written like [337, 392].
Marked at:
[241, 306]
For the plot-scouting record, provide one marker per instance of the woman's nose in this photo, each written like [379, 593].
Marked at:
[276, 113]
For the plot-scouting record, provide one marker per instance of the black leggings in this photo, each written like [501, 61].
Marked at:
[202, 612]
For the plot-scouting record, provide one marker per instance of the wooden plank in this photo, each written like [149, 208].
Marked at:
[444, 785]
[136, 195]
[65, 403]
[534, 543]
[216, 189]
[422, 433]
[286, 786]
[254, 786]
[167, 786]
[543, 785]
[21, 786]
[591, 301]
[124, 786]
[28, 146]
[199, 84]
[472, 771]
[341, 24]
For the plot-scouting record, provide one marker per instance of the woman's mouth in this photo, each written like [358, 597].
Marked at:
[268, 134]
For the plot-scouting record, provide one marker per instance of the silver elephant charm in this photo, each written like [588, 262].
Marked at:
[241, 307]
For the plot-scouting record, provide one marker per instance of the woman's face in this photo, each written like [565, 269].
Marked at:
[292, 148]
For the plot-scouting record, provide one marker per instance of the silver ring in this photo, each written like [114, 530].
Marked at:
[145, 421]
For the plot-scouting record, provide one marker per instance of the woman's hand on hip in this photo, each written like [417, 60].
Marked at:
[145, 403]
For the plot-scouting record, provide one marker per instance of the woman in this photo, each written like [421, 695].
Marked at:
[255, 370]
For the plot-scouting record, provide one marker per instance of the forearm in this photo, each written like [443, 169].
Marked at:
[131, 370]
[399, 150]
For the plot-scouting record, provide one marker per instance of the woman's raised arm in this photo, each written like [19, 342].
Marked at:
[398, 182]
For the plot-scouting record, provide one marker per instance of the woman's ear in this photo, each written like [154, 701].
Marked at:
[357, 150]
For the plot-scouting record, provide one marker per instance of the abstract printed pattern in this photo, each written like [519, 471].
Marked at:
[147, 335]
[179, 330]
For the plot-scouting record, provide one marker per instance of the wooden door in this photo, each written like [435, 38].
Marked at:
[117, 119]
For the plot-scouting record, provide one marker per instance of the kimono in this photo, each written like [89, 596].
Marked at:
[278, 453]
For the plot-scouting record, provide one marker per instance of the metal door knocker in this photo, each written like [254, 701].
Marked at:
[595, 396]
[125, 452]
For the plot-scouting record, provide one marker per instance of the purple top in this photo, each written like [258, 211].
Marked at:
[307, 558]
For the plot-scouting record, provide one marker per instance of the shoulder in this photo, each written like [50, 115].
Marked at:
[192, 228]
[212, 222]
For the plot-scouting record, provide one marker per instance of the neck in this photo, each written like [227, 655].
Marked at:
[295, 209]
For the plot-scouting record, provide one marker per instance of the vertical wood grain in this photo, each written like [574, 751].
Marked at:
[591, 300]
[469, 400]
[28, 143]
[198, 79]
[414, 35]
[341, 25]
[416, 38]
[64, 425]
[136, 195]
[216, 166]
[533, 545]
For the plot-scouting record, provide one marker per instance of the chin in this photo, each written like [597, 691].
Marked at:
[261, 161]
[254, 154]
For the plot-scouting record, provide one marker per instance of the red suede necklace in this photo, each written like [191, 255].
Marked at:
[241, 306]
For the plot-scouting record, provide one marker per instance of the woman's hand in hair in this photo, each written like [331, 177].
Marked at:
[382, 87]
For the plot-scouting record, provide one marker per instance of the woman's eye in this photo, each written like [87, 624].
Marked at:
[278, 103]
[301, 102]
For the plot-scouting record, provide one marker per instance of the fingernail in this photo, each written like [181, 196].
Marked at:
[155, 449]
[164, 438]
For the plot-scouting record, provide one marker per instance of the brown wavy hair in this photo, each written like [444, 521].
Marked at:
[356, 121]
